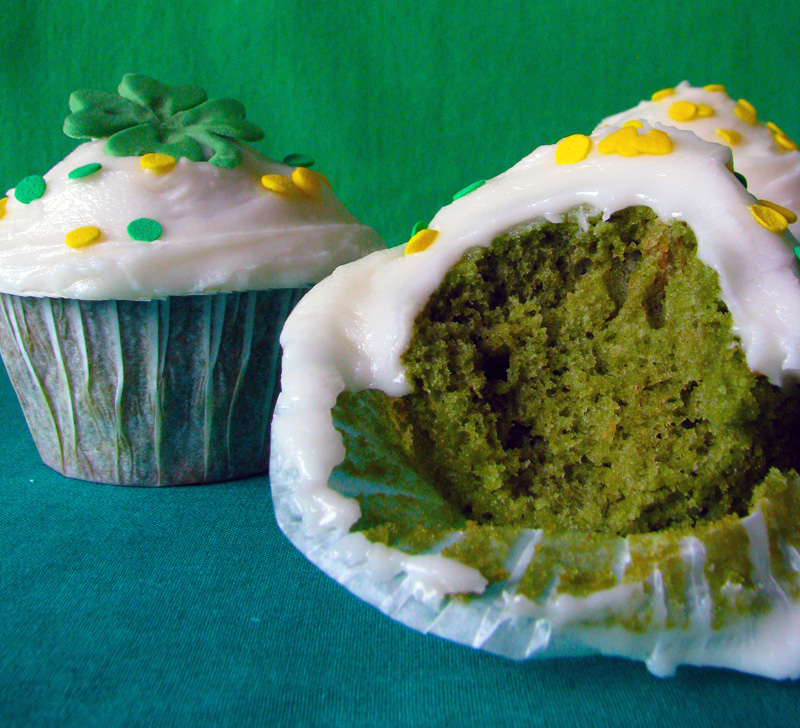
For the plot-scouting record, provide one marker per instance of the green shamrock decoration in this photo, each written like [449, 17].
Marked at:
[148, 116]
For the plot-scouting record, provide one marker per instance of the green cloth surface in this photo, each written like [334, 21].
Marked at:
[187, 606]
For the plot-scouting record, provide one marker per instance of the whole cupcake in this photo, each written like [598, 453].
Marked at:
[564, 417]
[145, 279]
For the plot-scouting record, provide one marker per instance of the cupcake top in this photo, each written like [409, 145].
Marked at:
[762, 152]
[166, 200]
[674, 172]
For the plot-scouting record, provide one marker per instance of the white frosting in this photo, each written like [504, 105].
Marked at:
[222, 231]
[350, 331]
[772, 173]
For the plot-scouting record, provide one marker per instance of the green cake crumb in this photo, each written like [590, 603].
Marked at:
[583, 376]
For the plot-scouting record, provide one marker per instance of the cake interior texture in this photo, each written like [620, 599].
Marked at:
[583, 376]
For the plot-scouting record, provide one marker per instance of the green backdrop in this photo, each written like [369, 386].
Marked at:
[186, 606]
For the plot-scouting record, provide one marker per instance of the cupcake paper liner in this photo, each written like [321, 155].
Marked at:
[161, 392]
[725, 595]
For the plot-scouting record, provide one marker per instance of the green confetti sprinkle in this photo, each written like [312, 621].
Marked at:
[797, 250]
[298, 160]
[419, 225]
[741, 178]
[469, 188]
[30, 189]
[144, 229]
[85, 170]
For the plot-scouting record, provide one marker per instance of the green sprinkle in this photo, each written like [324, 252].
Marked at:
[298, 160]
[145, 229]
[469, 188]
[419, 225]
[797, 250]
[30, 189]
[741, 178]
[85, 170]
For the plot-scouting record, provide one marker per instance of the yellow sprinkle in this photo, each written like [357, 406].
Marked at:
[704, 111]
[654, 142]
[307, 181]
[278, 184]
[744, 103]
[621, 139]
[683, 111]
[769, 218]
[791, 218]
[421, 241]
[746, 112]
[715, 88]
[635, 123]
[730, 136]
[324, 179]
[784, 142]
[158, 163]
[3, 206]
[574, 148]
[774, 128]
[82, 236]
[658, 95]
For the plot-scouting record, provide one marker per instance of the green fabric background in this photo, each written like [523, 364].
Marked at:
[186, 606]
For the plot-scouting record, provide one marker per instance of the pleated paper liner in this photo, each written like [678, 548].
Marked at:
[162, 392]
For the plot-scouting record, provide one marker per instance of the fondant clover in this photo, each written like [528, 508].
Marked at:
[148, 116]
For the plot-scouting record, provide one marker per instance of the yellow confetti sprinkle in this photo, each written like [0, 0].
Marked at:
[158, 163]
[662, 94]
[730, 136]
[628, 143]
[746, 112]
[791, 217]
[745, 104]
[306, 181]
[635, 123]
[704, 111]
[421, 241]
[324, 179]
[784, 142]
[278, 184]
[3, 206]
[683, 111]
[82, 236]
[572, 149]
[715, 88]
[769, 218]
[622, 138]
[774, 128]
[655, 141]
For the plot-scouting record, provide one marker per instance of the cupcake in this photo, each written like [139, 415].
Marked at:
[144, 281]
[563, 418]
[765, 156]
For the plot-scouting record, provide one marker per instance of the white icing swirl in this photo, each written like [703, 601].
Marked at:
[772, 173]
[222, 231]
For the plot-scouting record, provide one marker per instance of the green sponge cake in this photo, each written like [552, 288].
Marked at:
[584, 375]
[563, 418]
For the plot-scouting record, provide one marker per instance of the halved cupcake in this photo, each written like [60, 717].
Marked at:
[563, 418]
